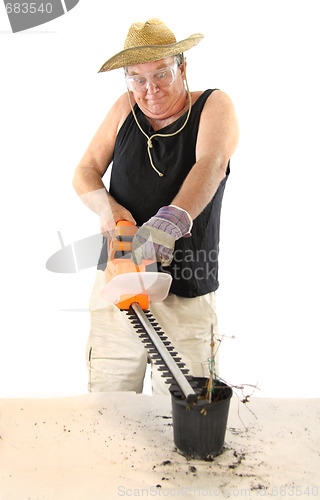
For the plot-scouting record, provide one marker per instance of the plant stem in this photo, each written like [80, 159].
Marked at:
[210, 384]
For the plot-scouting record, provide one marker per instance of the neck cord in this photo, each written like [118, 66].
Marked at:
[149, 139]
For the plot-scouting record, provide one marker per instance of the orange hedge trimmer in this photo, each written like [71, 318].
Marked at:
[131, 288]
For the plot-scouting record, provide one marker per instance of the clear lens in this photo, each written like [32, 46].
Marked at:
[161, 78]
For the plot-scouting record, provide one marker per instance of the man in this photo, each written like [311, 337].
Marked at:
[170, 149]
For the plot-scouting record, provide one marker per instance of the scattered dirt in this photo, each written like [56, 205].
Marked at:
[166, 462]
[240, 457]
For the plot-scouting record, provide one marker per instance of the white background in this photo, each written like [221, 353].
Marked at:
[265, 55]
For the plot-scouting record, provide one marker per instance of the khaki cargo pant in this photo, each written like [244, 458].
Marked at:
[116, 358]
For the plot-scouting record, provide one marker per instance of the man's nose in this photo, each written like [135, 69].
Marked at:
[152, 88]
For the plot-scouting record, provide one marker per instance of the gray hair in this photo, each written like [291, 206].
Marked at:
[179, 59]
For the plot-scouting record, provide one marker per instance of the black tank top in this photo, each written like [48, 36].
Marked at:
[135, 185]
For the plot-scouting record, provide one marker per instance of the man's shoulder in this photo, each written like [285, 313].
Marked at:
[215, 95]
[120, 110]
[121, 105]
[219, 96]
[217, 102]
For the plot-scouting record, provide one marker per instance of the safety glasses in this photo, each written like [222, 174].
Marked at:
[160, 78]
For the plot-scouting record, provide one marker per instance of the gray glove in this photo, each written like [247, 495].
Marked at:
[156, 238]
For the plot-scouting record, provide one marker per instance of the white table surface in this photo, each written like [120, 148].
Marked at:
[119, 445]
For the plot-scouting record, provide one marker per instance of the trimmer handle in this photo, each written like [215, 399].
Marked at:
[126, 228]
[124, 233]
[127, 282]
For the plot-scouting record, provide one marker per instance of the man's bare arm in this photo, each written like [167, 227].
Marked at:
[87, 180]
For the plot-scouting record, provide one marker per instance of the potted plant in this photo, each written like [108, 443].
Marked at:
[199, 429]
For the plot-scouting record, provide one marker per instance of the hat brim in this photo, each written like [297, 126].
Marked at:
[149, 53]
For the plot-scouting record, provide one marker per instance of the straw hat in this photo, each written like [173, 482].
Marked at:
[147, 42]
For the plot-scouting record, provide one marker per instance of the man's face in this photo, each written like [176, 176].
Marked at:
[158, 101]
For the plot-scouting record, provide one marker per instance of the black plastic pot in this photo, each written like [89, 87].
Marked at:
[199, 429]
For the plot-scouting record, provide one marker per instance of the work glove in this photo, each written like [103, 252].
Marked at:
[156, 238]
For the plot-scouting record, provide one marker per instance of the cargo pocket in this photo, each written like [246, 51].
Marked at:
[110, 373]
